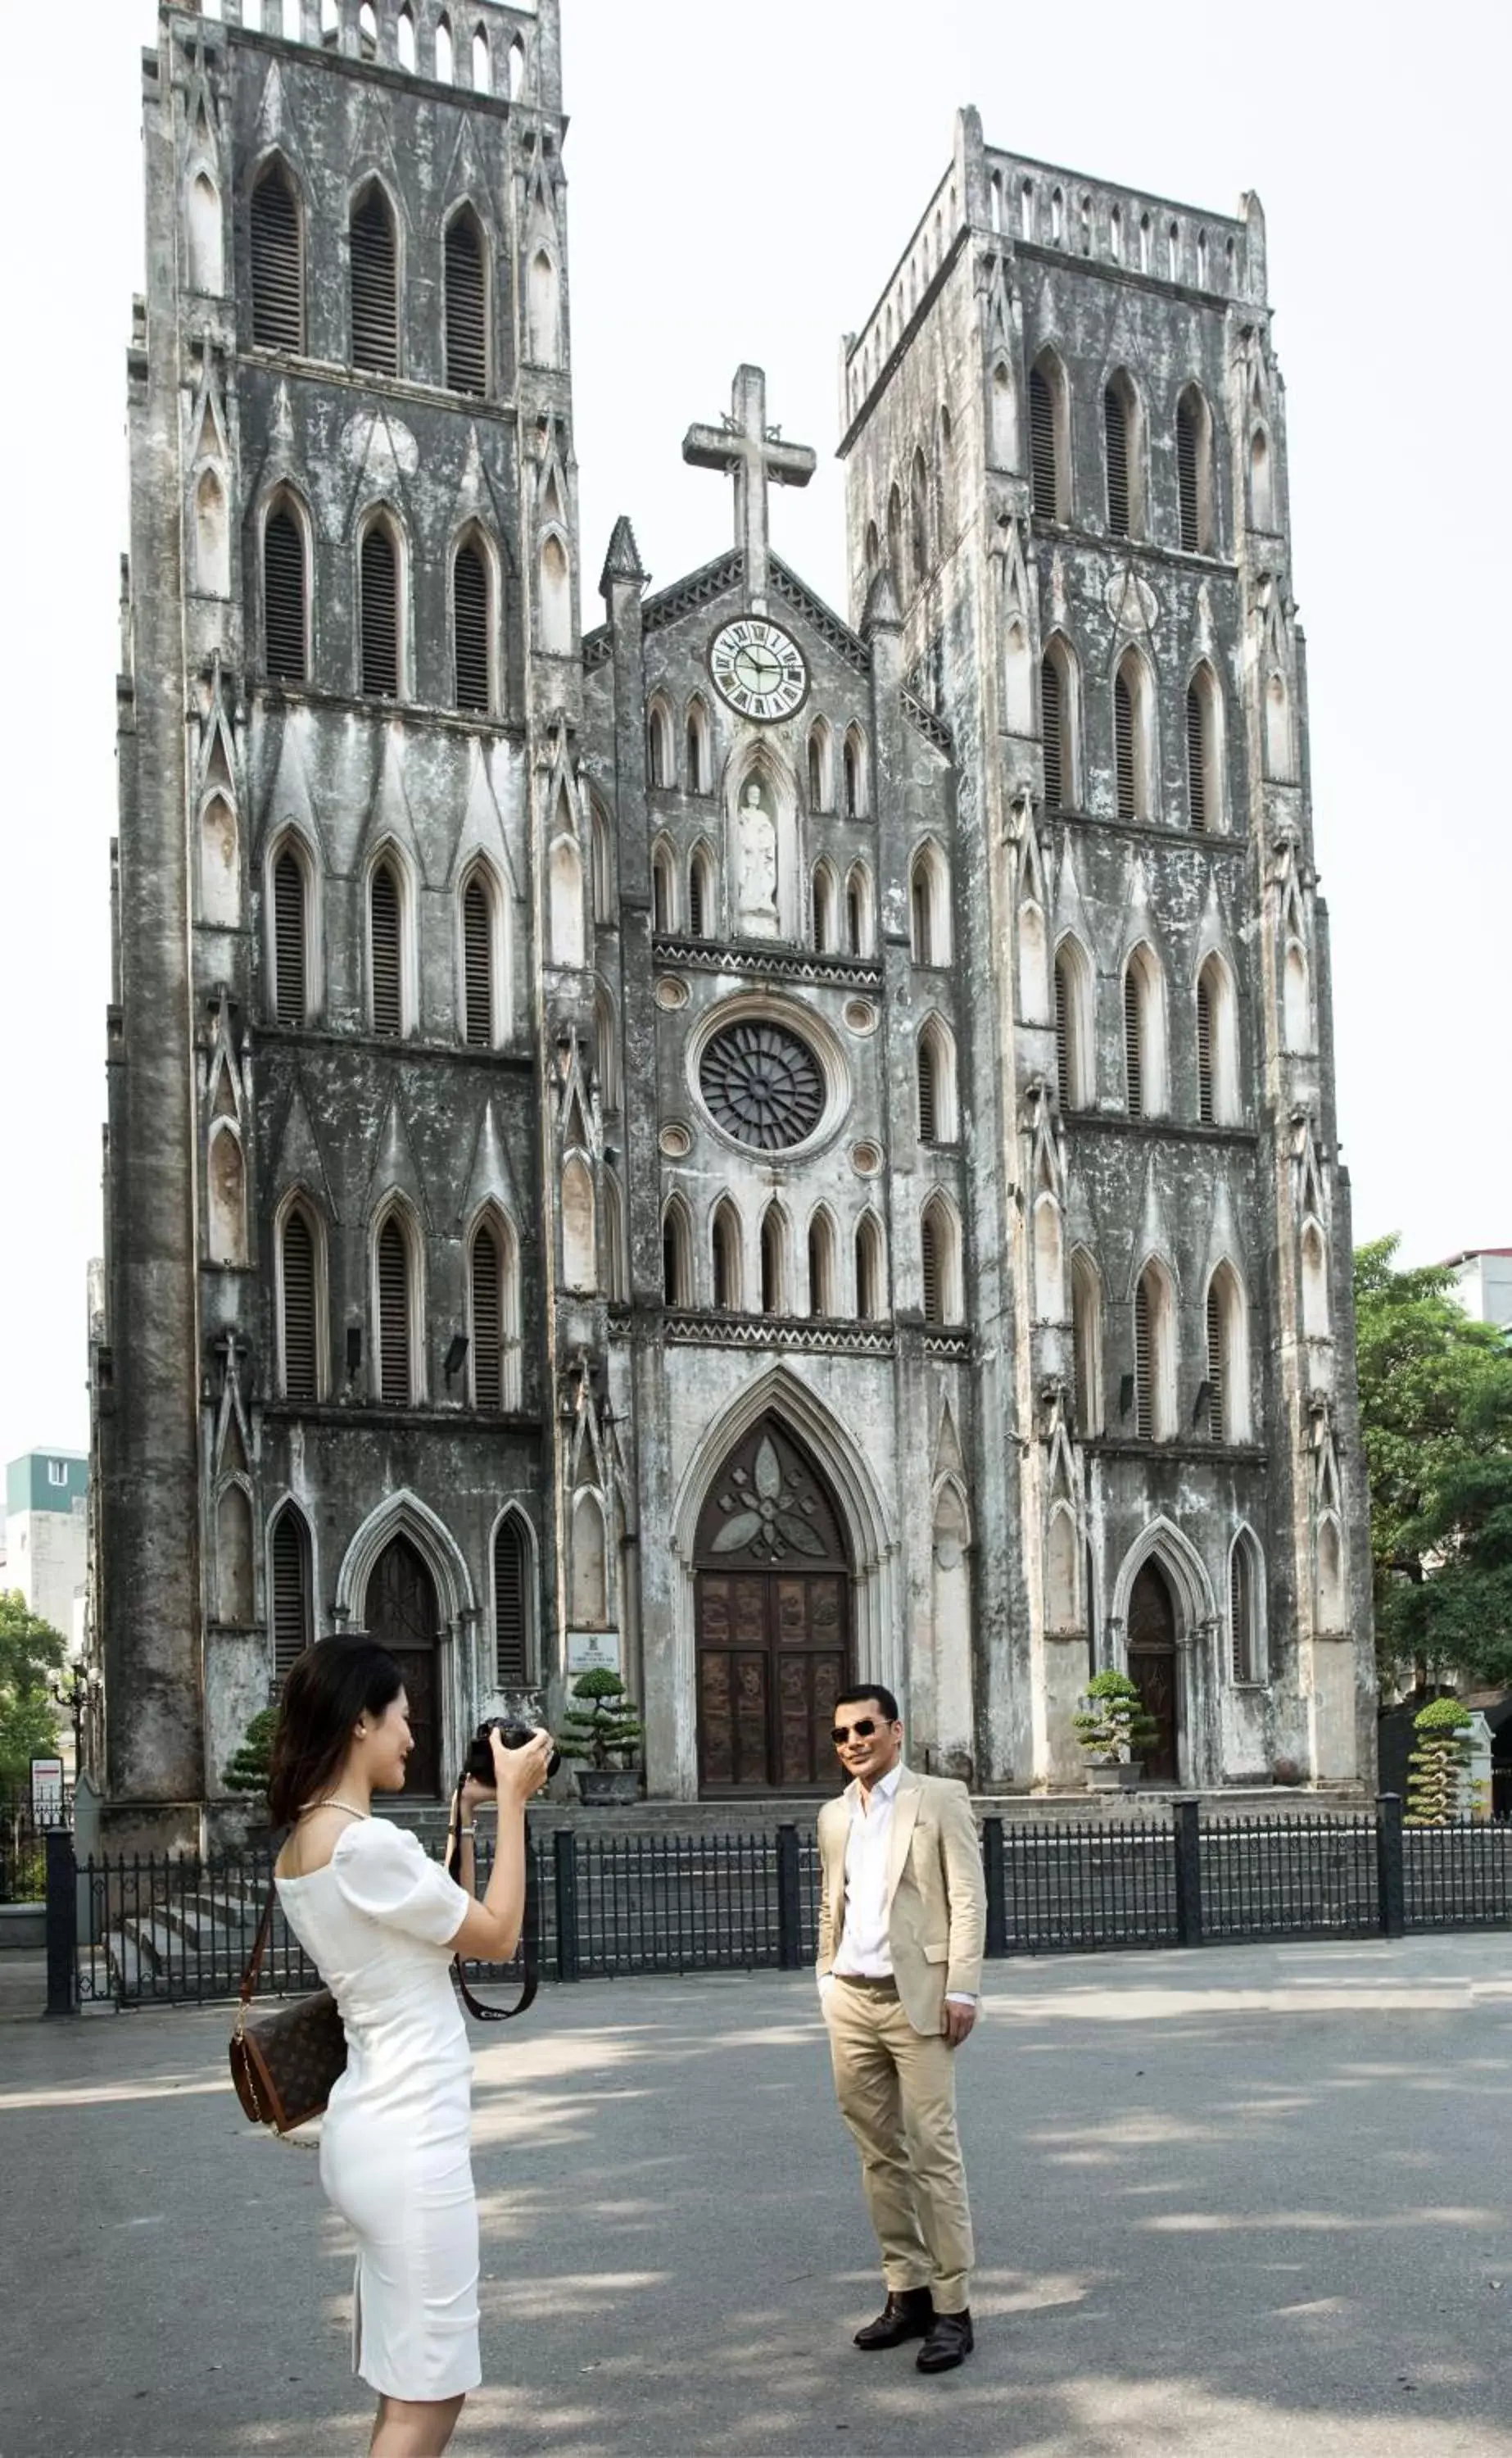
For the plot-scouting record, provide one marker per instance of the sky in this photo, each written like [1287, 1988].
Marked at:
[741, 183]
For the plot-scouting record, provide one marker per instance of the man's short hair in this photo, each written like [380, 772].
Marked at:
[874, 1690]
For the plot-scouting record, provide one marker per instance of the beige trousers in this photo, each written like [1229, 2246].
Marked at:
[897, 2090]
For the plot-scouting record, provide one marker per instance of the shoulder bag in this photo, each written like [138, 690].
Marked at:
[285, 2059]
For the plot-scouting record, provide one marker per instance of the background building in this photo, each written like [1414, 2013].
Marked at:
[1484, 1282]
[47, 1537]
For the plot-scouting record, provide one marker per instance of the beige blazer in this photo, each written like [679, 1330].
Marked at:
[937, 1897]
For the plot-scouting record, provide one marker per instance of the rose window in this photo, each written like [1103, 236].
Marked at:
[762, 1085]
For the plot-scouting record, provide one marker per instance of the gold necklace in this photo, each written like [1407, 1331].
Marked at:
[331, 1802]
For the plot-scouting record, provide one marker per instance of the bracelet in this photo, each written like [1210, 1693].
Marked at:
[468, 1832]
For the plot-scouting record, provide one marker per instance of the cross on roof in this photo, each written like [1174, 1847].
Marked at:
[750, 452]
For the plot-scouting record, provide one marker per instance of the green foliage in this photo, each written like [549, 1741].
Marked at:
[248, 1769]
[1113, 1727]
[30, 1652]
[606, 1727]
[1436, 1412]
[1434, 1770]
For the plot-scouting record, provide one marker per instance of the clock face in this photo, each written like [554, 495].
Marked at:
[757, 668]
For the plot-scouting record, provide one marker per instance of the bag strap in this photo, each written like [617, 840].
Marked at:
[249, 1977]
[531, 1974]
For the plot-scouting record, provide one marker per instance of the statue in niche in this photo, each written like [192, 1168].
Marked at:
[758, 863]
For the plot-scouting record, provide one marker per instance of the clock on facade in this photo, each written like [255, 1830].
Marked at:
[758, 668]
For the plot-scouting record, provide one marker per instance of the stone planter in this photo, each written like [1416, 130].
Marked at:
[1123, 1776]
[607, 1787]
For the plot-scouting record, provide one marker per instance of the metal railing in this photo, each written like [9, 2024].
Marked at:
[137, 1930]
[25, 1824]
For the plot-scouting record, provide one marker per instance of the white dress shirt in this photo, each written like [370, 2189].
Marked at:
[864, 1952]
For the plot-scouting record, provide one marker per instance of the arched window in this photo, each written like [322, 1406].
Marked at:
[374, 283]
[204, 235]
[516, 68]
[1115, 450]
[397, 1314]
[444, 65]
[289, 1559]
[1155, 1356]
[226, 1228]
[579, 1225]
[1086, 1342]
[1218, 1101]
[855, 773]
[606, 1046]
[380, 612]
[290, 918]
[895, 545]
[1245, 1649]
[471, 627]
[659, 767]
[1315, 1316]
[1194, 472]
[406, 41]
[285, 615]
[278, 262]
[821, 1263]
[513, 1605]
[700, 894]
[820, 766]
[1228, 1358]
[870, 1285]
[387, 920]
[479, 934]
[918, 518]
[1058, 726]
[937, 1083]
[1074, 1038]
[466, 303]
[925, 1065]
[859, 910]
[1297, 998]
[822, 894]
[676, 1253]
[1049, 1272]
[929, 906]
[725, 1255]
[1204, 768]
[1262, 503]
[1144, 1033]
[1133, 739]
[556, 599]
[482, 64]
[774, 1261]
[493, 1317]
[543, 326]
[601, 846]
[940, 1261]
[945, 525]
[700, 767]
[663, 911]
[1048, 438]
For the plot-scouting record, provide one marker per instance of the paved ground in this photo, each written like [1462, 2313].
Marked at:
[1249, 2203]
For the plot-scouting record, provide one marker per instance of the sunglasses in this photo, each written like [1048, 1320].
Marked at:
[861, 1731]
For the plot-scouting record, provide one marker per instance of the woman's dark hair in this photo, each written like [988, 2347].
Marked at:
[328, 1687]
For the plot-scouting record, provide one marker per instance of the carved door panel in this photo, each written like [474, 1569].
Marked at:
[402, 1614]
[1153, 1668]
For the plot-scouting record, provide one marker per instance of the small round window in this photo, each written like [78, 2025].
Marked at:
[763, 1084]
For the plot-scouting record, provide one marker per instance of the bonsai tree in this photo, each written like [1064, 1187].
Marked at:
[248, 1770]
[1113, 1727]
[605, 1728]
[1437, 1764]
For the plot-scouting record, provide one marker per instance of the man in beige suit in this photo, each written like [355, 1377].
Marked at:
[903, 1909]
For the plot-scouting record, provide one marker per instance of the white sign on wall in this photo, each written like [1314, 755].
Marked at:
[46, 1790]
[592, 1651]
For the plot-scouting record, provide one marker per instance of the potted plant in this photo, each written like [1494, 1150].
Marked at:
[1436, 1768]
[602, 1734]
[1114, 1730]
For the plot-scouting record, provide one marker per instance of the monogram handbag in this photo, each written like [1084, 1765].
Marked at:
[286, 2058]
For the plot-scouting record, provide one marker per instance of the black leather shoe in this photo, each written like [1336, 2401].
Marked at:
[949, 2343]
[906, 2314]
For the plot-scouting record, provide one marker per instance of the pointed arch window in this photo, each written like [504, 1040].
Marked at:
[725, 1251]
[284, 619]
[937, 1083]
[543, 334]
[396, 1314]
[1315, 1319]
[494, 1317]
[929, 907]
[1058, 726]
[940, 1261]
[820, 766]
[1132, 760]
[380, 612]
[482, 64]
[289, 1558]
[374, 267]
[1144, 1034]
[479, 931]
[895, 545]
[466, 303]
[1086, 1342]
[444, 62]
[859, 910]
[278, 262]
[918, 518]
[821, 1264]
[700, 893]
[1297, 998]
[823, 903]
[1115, 446]
[290, 937]
[661, 890]
[1218, 1046]
[699, 764]
[1246, 1652]
[870, 1283]
[386, 910]
[658, 746]
[1154, 1357]
[858, 784]
[1204, 776]
[676, 1253]
[1194, 478]
[406, 40]
[471, 627]
[299, 1342]
[774, 1261]
[927, 1121]
[513, 1606]
[1227, 1327]
[1262, 503]
[1073, 1027]
[556, 599]
[1047, 438]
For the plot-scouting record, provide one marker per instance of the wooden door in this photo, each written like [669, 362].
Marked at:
[1154, 1670]
[402, 1614]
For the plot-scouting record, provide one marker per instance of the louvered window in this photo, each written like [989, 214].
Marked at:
[288, 938]
[278, 269]
[1187, 487]
[853, 920]
[724, 1262]
[931, 1263]
[291, 1592]
[1124, 747]
[380, 615]
[1241, 1611]
[1214, 1366]
[1205, 1109]
[512, 1607]
[920, 916]
[374, 290]
[488, 1326]
[477, 953]
[820, 1267]
[1134, 1044]
[395, 1385]
[1065, 1083]
[773, 1293]
[696, 900]
[1052, 719]
[1144, 1363]
[466, 307]
[470, 607]
[851, 761]
[283, 596]
[927, 1116]
[868, 1273]
[674, 1260]
[301, 1360]
[1196, 757]
[387, 971]
[1115, 429]
[1042, 446]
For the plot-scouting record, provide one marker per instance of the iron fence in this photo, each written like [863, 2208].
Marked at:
[134, 1930]
[25, 1824]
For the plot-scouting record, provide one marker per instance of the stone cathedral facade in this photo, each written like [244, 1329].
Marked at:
[755, 1145]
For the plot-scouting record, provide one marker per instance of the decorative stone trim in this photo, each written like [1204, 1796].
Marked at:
[823, 1339]
[767, 964]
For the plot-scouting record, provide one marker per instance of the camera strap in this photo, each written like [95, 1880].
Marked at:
[529, 1959]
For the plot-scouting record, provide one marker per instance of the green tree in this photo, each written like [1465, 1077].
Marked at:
[30, 1652]
[1437, 1763]
[248, 1769]
[1436, 1411]
[606, 1727]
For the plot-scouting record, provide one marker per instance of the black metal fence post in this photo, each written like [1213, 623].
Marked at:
[563, 1855]
[1189, 1874]
[62, 1922]
[995, 1872]
[1391, 1874]
[790, 1902]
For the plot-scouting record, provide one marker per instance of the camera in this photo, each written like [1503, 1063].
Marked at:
[479, 1765]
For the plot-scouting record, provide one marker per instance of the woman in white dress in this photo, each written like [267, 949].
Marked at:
[381, 1922]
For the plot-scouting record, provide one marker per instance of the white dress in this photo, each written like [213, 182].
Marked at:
[376, 1921]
